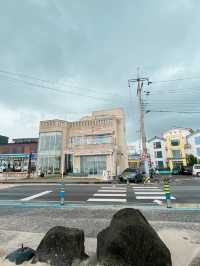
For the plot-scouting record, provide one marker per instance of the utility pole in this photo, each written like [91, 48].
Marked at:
[29, 165]
[140, 82]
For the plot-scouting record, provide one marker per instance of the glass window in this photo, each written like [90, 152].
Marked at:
[160, 164]
[49, 152]
[50, 142]
[49, 164]
[93, 165]
[157, 145]
[91, 139]
[197, 140]
[176, 154]
[158, 154]
[198, 152]
[175, 142]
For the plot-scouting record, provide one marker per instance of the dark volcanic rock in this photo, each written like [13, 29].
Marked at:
[131, 241]
[21, 255]
[61, 246]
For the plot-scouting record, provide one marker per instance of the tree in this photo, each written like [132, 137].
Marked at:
[191, 160]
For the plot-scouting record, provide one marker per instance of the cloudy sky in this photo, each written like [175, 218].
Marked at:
[64, 59]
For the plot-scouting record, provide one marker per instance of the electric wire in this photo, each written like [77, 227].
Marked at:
[30, 83]
[14, 74]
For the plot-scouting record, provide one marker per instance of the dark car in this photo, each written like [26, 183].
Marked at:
[131, 175]
[186, 170]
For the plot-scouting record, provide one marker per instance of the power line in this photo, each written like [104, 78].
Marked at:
[172, 111]
[173, 80]
[51, 82]
[54, 89]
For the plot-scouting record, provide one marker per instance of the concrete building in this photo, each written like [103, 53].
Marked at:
[157, 152]
[193, 146]
[91, 146]
[176, 144]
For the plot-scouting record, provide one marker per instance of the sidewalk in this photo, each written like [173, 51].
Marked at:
[58, 179]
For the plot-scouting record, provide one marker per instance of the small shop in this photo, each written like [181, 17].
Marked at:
[17, 162]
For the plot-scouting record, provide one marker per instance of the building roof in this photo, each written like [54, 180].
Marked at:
[156, 137]
[25, 140]
[178, 128]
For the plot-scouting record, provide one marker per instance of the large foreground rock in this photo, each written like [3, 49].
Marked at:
[131, 241]
[61, 246]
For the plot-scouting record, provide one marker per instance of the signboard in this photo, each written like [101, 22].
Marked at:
[18, 156]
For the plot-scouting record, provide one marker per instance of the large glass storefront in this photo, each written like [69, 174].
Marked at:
[93, 165]
[17, 162]
[49, 152]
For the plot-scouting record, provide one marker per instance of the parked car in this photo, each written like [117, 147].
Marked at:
[186, 170]
[176, 171]
[164, 171]
[196, 170]
[131, 175]
[2, 169]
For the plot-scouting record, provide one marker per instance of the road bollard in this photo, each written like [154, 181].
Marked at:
[147, 180]
[62, 194]
[167, 192]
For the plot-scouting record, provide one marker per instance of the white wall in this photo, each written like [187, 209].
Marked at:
[193, 145]
[152, 151]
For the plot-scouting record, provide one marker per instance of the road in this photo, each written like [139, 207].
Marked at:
[184, 191]
[91, 207]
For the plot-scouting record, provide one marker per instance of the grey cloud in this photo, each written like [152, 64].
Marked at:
[98, 45]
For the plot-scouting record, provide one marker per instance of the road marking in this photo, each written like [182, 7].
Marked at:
[6, 186]
[109, 195]
[112, 187]
[110, 200]
[146, 187]
[36, 195]
[154, 197]
[150, 192]
[159, 202]
[112, 190]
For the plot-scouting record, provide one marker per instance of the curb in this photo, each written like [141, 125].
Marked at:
[55, 182]
[70, 204]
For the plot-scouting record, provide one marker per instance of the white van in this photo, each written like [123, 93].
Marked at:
[196, 170]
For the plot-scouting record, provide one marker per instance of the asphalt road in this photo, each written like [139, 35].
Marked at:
[184, 191]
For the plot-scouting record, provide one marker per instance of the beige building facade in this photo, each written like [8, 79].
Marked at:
[93, 146]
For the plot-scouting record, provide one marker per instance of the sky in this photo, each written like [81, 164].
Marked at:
[64, 59]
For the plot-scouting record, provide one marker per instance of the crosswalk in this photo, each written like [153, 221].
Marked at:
[113, 193]
[149, 192]
[146, 193]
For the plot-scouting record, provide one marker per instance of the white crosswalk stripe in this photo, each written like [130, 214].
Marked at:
[112, 190]
[150, 193]
[113, 193]
[154, 197]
